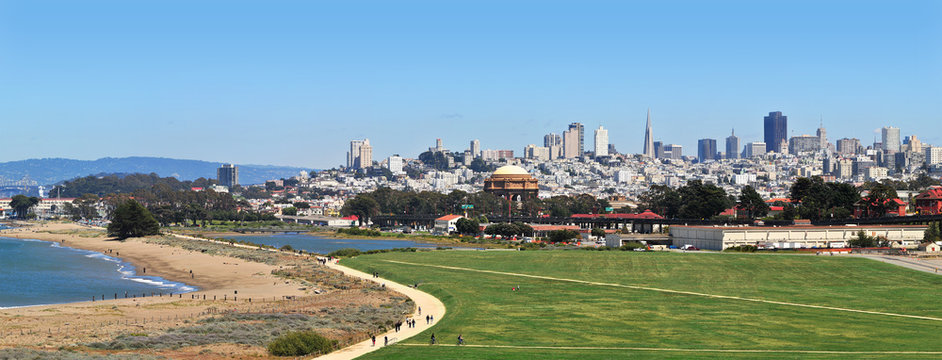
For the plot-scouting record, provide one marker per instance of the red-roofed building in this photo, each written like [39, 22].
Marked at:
[864, 208]
[447, 224]
[929, 202]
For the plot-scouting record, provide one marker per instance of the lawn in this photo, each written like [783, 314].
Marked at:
[555, 313]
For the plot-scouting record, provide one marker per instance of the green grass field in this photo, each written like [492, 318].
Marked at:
[547, 314]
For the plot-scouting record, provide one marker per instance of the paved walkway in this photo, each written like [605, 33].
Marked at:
[428, 303]
[929, 266]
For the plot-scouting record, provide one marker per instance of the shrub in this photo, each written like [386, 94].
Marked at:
[300, 343]
[741, 248]
[287, 248]
[629, 246]
[348, 252]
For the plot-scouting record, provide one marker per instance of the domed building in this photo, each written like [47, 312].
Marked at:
[513, 183]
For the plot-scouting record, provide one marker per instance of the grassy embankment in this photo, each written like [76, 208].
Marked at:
[552, 313]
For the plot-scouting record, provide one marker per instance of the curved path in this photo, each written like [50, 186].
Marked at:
[428, 303]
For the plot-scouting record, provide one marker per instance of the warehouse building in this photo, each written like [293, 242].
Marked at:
[791, 237]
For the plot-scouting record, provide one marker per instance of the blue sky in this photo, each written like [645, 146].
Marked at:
[290, 83]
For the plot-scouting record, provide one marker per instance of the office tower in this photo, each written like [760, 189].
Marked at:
[933, 155]
[611, 149]
[776, 131]
[552, 140]
[475, 148]
[706, 149]
[649, 150]
[803, 143]
[673, 151]
[658, 150]
[732, 146]
[913, 144]
[601, 142]
[580, 130]
[365, 158]
[847, 146]
[571, 143]
[394, 164]
[890, 139]
[227, 175]
[754, 149]
[845, 168]
[822, 138]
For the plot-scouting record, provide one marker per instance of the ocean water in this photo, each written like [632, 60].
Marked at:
[322, 245]
[34, 272]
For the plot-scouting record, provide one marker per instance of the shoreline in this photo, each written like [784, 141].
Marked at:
[207, 274]
[126, 269]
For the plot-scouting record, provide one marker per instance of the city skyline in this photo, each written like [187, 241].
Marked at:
[101, 79]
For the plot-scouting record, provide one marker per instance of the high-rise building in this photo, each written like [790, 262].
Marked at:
[552, 140]
[706, 149]
[732, 146]
[658, 150]
[394, 164]
[847, 146]
[475, 148]
[571, 142]
[611, 149]
[580, 131]
[227, 175]
[354, 153]
[803, 143]
[754, 149]
[601, 142]
[649, 150]
[776, 131]
[933, 155]
[913, 144]
[540, 153]
[845, 168]
[891, 139]
[365, 158]
[822, 138]
[673, 151]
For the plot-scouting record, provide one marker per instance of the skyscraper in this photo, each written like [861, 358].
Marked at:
[227, 175]
[732, 146]
[822, 137]
[706, 149]
[601, 142]
[776, 131]
[581, 134]
[552, 140]
[360, 155]
[365, 158]
[649, 150]
[891, 139]
[354, 153]
[847, 146]
[571, 142]
[658, 150]
[475, 148]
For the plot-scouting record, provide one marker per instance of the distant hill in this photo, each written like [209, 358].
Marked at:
[50, 171]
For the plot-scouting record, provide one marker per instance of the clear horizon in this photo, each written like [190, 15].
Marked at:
[291, 83]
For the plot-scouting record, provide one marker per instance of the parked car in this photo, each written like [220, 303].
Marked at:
[688, 247]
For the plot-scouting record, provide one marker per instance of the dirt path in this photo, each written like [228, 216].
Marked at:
[675, 291]
[428, 303]
[929, 266]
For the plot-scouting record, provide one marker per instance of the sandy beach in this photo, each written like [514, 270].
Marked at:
[225, 284]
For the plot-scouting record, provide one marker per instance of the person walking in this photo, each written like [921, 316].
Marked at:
[374, 339]
[427, 319]
[385, 340]
[433, 338]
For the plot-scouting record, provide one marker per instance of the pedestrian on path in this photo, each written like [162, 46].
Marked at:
[433, 338]
[427, 319]
[420, 310]
[374, 339]
[460, 340]
[385, 340]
